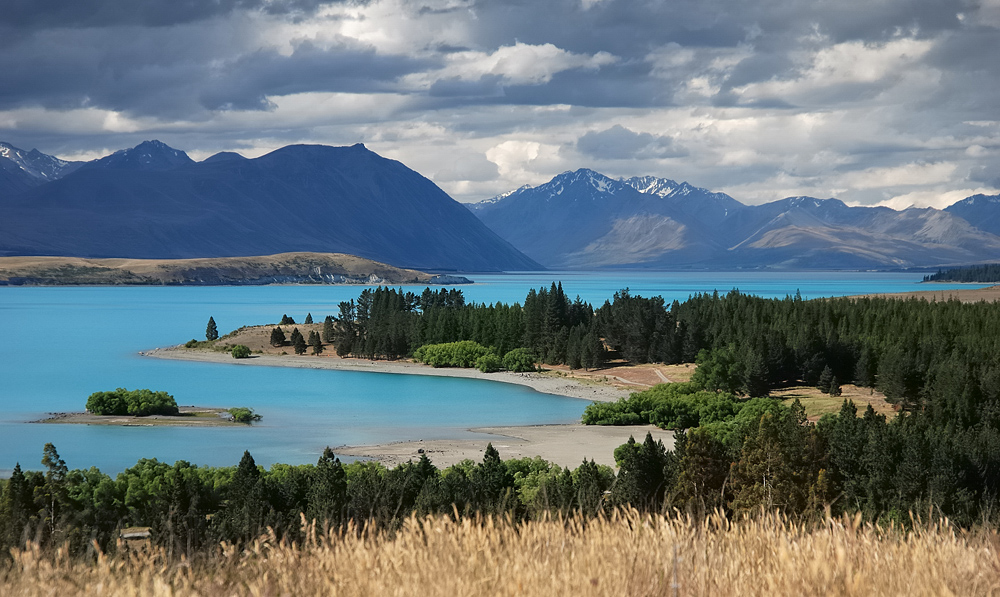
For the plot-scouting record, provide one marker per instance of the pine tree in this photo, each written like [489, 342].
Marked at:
[286, 320]
[315, 342]
[298, 342]
[309, 318]
[15, 510]
[327, 497]
[277, 337]
[211, 332]
[328, 331]
[54, 491]
[825, 378]
[243, 517]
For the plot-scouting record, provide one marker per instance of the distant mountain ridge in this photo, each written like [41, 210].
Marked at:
[152, 201]
[584, 219]
[21, 170]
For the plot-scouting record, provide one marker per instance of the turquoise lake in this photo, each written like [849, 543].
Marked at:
[65, 343]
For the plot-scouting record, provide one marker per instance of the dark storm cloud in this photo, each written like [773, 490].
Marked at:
[180, 76]
[620, 143]
[245, 84]
[119, 58]
[22, 15]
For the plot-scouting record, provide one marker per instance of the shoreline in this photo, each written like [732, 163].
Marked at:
[188, 416]
[564, 444]
[546, 384]
[963, 295]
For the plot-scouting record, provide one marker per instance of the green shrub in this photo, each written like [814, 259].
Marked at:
[240, 352]
[451, 354]
[242, 414]
[489, 363]
[519, 360]
[137, 403]
[669, 406]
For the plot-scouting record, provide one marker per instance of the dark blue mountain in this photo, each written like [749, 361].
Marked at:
[152, 201]
[982, 211]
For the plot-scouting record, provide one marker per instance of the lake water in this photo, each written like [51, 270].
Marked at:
[65, 343]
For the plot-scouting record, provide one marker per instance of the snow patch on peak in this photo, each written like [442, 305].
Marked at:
[498, 198]
[651, 185]
[35, 163]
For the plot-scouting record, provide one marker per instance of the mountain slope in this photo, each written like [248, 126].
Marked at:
[584, 219]
[153, 202]
[982, 211]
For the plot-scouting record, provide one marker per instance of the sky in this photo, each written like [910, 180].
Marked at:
[875, 102]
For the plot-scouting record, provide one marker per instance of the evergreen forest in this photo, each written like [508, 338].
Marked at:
[988, 273]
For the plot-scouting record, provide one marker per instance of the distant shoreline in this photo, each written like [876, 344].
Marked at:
[964, 295]
[262, 270]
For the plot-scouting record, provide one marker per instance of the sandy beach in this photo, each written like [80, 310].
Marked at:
[565, 445]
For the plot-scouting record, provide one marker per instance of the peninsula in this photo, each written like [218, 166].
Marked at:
[283, 268]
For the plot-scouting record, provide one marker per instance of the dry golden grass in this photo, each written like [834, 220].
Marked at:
[628, 554]
[819, 403]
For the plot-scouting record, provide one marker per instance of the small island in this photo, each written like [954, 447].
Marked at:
[146, 408]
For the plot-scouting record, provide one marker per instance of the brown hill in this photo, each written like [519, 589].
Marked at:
[284, 268]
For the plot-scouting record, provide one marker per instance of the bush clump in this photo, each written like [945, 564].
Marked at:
[489, 363]
[242, 414]
[519, 360]
[137, 403]
[240, 352]
[451, 354]
[669, 406]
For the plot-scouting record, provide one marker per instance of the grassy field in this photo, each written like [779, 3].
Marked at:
[280, 268]
[627, 554]
[819, 403]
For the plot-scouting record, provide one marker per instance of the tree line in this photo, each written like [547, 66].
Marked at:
[988, 273]
[189, 508]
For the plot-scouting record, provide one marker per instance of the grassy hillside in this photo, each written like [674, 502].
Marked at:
[284, 268]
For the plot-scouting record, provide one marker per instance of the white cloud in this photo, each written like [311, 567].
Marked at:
[844, 66]
[905, 175]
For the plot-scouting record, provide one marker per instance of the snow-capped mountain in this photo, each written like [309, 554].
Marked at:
[583, 219]
[37, 164]
[21, 170]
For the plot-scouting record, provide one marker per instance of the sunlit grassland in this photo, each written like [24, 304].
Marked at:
[626, 554]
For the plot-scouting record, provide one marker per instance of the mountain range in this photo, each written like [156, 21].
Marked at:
[153, 201]
[584, 219]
